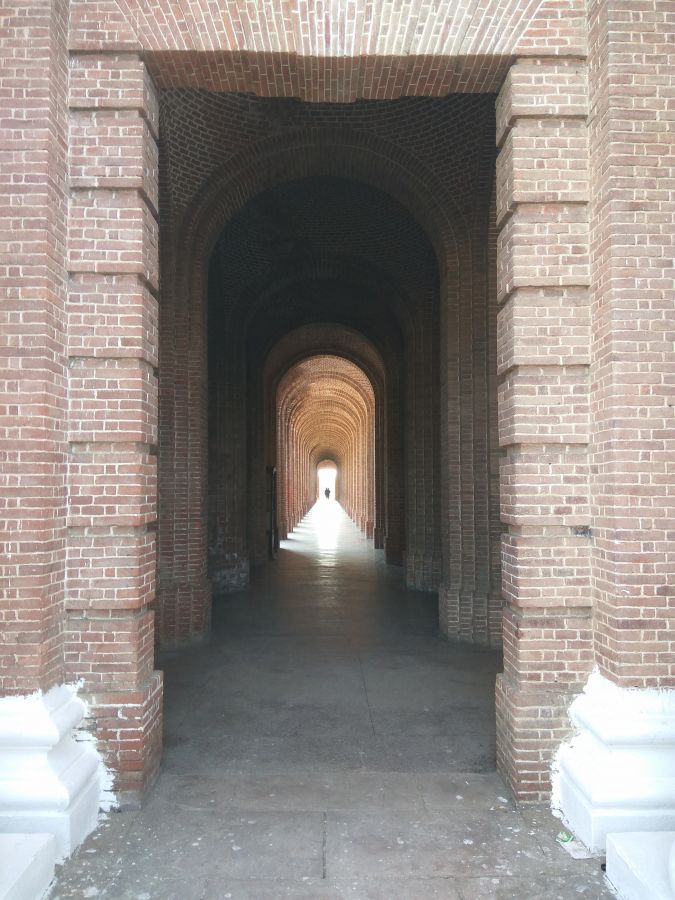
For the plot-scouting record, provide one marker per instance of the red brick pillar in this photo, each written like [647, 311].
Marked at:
[112, 350]
[633, 342]
[543, 358]
[33, 374]
[619, 772]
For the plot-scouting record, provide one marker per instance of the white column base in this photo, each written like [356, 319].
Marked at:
[639, 864]
[26, 865]
[618, 772]
[51, 777]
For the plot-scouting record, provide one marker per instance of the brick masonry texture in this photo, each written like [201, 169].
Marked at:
[458, 217]
[543, 264]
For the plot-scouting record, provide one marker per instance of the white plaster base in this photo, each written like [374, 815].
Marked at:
[26, 865]
[50, 776]
[618, 772]
[639, 864]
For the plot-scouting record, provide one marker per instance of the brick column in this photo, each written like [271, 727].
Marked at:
[49, 778]
[619, 772]
[633, 341]
[112, 349]
[33, 288]
[543, 358]
[422, 540]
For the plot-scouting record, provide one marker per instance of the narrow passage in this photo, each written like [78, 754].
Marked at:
[328, 743]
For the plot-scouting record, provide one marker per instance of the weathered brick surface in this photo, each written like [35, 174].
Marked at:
[110, 567]
[128, 725]
[113, 149]
[543, 245]
[544, 404]
[543, 567]
[109, 648]
[112, 400]
[541, 89]
[110, 81]
[544, 326]
[111, 485]
[113, 232]
[545, 485]
[543, 160]
[531, 725]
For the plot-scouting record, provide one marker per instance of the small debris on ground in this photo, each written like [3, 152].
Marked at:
[574, 847]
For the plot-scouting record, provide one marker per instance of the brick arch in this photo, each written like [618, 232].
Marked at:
[388, 343]
[325, 405]
[358, 157]
[327, 152]
[337, 340]
[400, 327]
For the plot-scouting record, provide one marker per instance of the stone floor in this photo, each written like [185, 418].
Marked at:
[328, 743]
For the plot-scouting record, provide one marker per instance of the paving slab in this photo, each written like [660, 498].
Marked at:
[229, 843]
[473, 845]
[542, 888]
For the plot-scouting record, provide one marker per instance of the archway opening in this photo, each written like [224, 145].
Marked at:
[326, 477]
[325, 411]
[348, 311]
[324, 267]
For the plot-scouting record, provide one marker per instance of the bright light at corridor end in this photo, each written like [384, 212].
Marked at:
[327, 477]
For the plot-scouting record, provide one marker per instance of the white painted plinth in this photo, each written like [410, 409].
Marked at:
[26, 865]
[618, 773]
[50, 776]
[638, 864]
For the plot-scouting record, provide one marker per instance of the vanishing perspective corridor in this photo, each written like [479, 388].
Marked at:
[326, 742]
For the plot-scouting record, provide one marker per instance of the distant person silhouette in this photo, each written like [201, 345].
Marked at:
[326, 493]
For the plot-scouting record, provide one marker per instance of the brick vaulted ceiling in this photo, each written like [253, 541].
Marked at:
[449, 138]
[329, 49]
[326, 410]
[356, 215]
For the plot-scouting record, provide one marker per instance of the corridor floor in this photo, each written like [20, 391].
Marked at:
[328, 743]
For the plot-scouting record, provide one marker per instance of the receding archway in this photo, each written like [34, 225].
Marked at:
[464, 565]
[327, 480]
[325, 406]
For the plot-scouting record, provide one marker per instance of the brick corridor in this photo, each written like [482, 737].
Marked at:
[327, 743]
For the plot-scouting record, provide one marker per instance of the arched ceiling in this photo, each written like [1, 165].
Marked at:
[328, 404]
[204, 133]
[317, 250]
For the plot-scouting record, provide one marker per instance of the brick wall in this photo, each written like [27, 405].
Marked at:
[33, 373]
[633, 334]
